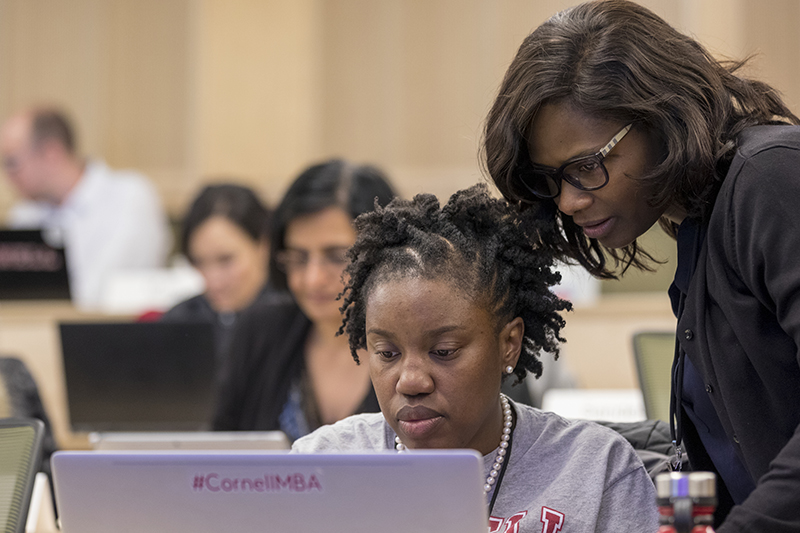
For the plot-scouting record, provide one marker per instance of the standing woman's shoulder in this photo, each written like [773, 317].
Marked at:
[759, 139]
[763, 171]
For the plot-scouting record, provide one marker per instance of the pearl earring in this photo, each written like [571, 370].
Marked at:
[509, 369]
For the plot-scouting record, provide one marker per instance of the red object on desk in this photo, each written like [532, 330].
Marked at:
[150, 316]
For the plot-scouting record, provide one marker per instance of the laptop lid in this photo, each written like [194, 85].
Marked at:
[30, 268]
[417, 492]
[148, 376]
[190, 440]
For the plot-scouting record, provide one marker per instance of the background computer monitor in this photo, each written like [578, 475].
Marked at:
[148, 376]
[30, 268]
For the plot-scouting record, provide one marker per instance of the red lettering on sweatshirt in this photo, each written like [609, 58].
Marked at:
[506, 525]
[552, 520]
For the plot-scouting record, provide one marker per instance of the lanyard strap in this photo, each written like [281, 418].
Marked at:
[678, 362]
[676, 396]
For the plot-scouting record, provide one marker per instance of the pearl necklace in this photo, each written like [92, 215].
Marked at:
[508, 423]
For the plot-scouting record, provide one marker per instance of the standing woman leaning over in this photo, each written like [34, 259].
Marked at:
[608, 121]
[289, 370]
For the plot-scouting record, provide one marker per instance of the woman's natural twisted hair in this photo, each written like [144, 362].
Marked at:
[618, 61]
[477, 244]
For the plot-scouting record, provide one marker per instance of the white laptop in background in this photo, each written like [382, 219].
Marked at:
[605, 405]
[190, 440]
[194, 492]
[136, 291]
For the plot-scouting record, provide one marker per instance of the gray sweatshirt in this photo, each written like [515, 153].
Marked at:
[563, 476]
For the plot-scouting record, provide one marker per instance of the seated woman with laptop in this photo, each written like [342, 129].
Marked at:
[225, 236]
[444, 304]
[289, 370]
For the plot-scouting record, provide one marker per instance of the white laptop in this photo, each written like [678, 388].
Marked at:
[189, 440]
[607, 405]
[195, 492]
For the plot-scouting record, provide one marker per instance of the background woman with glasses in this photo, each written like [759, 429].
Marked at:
[289, 370]
[715, 158]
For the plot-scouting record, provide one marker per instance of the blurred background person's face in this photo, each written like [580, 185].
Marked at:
[314, 258]
[233, 264]
[22, 162]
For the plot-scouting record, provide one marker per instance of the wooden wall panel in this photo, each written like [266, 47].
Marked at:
[145, 113]
[257, 89]
[118, 68]
[53, 52]
[188, 90]
[772, 36]
[408, 84]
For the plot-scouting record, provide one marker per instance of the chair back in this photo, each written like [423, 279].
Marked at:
[654, 352]
[20, 455]
[19, 398]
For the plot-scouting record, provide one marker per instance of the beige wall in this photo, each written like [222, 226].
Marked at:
[190, 90]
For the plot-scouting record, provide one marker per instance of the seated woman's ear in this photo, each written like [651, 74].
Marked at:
[511, 341]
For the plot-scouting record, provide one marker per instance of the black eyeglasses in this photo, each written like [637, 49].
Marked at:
[331, 259]
[587, 173]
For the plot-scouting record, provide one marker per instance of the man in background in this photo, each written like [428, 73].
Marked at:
[107, 220]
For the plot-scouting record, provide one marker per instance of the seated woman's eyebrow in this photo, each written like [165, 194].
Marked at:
[445, 329]
[379, 331]
[430, 332]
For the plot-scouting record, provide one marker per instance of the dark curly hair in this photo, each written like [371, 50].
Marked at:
[618, 61]
[478, 244]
